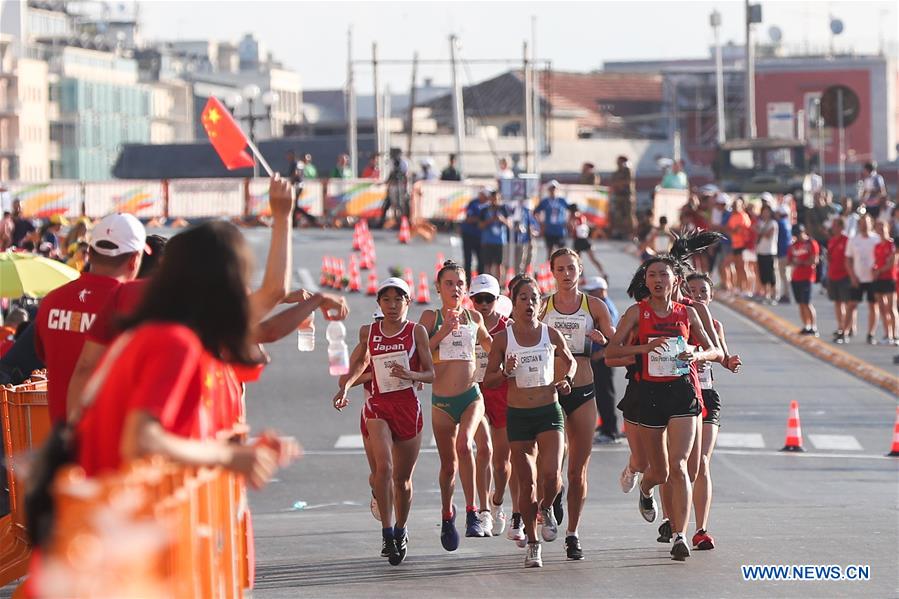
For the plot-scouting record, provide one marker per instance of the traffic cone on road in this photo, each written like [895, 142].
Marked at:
[408, 278]
[438, 264]
[339, 272]
[405, 235]
[424, 294]
[894, 449]
[357, 237]
[794, 430]
[323, 278]
[372, 288]
[355, 279]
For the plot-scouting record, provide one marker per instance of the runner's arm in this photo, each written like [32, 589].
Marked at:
[426, 374]
[708, 326]
[362, 378]
[714, 352]
[359, 363]
[618, 347]
[484, 337]
[602, 319]
[564, 363]
[493, 375]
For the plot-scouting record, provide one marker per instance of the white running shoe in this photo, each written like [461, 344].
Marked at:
[374, 508]
[499, 520]
[516, 531]
[647, 505]
[533, 558]
[486, 520]
[550, 528]
[627, 479]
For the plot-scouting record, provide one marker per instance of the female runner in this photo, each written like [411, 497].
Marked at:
[668, 401]
[391, 418]
[576, 316]
[456, 404]
[535, 360]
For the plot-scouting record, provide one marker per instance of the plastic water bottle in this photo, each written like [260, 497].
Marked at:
[680, 347]
[306, 334]
[338, 352]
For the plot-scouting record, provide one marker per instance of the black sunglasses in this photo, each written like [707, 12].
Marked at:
[483, 298]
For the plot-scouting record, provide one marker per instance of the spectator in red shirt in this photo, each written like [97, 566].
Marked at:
[67, 313]
[803, 256]
[885, 281]
[149, 393]
[839, 286]
[9, 331]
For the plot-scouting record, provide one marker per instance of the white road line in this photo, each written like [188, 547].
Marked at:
[349, 442]
[306, 280]
[836, 442]
[741, 440]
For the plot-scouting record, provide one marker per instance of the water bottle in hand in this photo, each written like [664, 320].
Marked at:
[306, 334]
[338, 352]
[681, 366]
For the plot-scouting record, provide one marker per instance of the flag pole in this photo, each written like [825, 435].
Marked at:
[259, 157]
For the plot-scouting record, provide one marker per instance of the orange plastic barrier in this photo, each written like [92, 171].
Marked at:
[26, 424]
[156, 529]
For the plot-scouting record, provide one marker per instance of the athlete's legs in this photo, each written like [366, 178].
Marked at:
[549, 464]
[681, 432]
[369, 455]
[485, 450]
[579, 428]
[652, 440]
[702, 491]
[381, 442]
[471, 417]
[502, 468]
[693, 464]
[405, 455]
[637, 461]
[445, 429]
[524, 467]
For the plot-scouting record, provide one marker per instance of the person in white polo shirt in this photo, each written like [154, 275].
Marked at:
[860, 264]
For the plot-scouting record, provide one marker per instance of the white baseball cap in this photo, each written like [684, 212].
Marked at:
[395, 282]
[594, 283]
[553, 183]
[377, 314]
[118, 234]
[767, 197]
[484, 284]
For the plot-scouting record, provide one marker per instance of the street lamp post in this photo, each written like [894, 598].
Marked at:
[251, 93]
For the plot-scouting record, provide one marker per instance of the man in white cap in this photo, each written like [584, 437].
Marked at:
[552, 213]
[116, 246]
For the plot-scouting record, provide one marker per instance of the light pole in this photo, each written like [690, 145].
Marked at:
[715, 22]
[251, 94]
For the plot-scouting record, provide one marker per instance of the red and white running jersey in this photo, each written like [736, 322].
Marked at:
[651, 325]
[385, 351]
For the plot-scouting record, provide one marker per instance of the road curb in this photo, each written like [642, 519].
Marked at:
[822, 350]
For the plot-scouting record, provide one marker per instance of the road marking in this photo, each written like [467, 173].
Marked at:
[349, 442]
[306, 280]
[836, 442]
[742, 440]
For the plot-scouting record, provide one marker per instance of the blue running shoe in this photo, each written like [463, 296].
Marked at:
[473, 526]
[449, 537]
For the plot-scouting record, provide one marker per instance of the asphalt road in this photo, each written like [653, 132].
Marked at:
[838, 503]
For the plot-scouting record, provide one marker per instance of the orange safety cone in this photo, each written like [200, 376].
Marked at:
[794, 430]
[357, 236]
[894, 449]
[438, 264]
[355, 279]
[372, 288]
[323, 278]
[424, 294]
[405, 235]
[338, 274]
[408, 278]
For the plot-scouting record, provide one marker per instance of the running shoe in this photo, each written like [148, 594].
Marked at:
[703, 540]
[573, 547]
[486, 520]
[374, 507]
[680, 552]
[449, 536]
[384, 551]
[558, 508]
[550, 528]
[647, 506]
[516, 531]
[391, 550]
[473, 525]
[627, 479]
[533, 558]
[401, 548]
[871, 340]
[499, 520]
[604, 439]
[665, 532]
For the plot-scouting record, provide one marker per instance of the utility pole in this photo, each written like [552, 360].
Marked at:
[715, 21]
[536, 94]
[528, 109]
[458, 108]
[377, 100]
[351, 106]
[410, 122]
[750, 68]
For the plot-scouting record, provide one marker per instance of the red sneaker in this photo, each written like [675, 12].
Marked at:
[703, 541]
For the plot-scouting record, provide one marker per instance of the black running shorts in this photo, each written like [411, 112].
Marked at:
[660, 402]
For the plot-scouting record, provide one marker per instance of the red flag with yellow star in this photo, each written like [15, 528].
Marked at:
[225, 135]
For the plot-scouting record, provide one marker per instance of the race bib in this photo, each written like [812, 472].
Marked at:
[458, 345]
[663, 360]
[535, 368]
[573, 329]
[480, 356]
[382, 364]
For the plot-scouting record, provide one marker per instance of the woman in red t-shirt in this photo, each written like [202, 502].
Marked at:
[803, 256]
[885, 277]
[667, 398]
[156, 390]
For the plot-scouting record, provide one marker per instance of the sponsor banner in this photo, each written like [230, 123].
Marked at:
[191, 198]
[143, 199]
[360, 198]
[446, 200]
[593, 201]
[43, 200]
[258, 198]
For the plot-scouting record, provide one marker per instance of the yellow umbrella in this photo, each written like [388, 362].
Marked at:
[36, 276]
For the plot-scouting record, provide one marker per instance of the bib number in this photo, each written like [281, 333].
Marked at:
[663, 361]
[458, 345]
[573, 330]
[382, 364]
[535, 368]
[480, 356]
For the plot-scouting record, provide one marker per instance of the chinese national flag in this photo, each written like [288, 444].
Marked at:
[225, 135]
